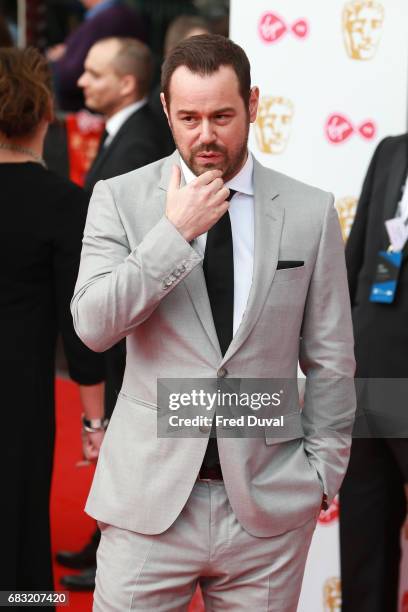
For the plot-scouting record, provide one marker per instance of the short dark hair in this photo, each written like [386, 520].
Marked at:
[25, 91]
[133, 57]
[204, 54]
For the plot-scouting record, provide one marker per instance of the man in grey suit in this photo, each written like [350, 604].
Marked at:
[213, 266]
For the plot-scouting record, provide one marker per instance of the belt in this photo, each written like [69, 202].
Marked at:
[210, 473]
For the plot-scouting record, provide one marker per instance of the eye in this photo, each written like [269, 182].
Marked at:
[188, 119]
[222, 118]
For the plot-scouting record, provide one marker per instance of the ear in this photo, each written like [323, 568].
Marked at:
[166, 110]
[128, 85]
[253, 103]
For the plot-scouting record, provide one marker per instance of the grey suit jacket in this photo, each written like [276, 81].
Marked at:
[139, 278]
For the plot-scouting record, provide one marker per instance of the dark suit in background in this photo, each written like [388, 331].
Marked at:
[117, 19]
[136, 144]
[373, 504]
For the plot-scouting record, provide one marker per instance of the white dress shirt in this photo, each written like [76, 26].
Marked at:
[115, 122]
[241, 212]
[402, 208]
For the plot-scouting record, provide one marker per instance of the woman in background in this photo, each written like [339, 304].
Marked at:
[41, 226]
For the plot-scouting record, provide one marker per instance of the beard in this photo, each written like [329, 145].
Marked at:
[230, 164]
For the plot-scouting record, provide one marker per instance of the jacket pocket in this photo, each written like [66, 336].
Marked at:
[284, 264]
[290, 430]
[288, 274]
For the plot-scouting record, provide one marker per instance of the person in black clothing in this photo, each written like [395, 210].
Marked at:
[43, 217]
[116, 81]
[373, 496]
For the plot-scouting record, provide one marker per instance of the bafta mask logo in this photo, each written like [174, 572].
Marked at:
[273, 124]
[332, 595]
[271, 28]
[346, 209]
[362, 27]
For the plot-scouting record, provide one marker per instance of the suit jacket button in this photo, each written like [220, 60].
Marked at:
[222, 372]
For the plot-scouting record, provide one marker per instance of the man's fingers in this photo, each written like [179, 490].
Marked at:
[208, 177]
[221, 195]
[222, 209]
[215, 185]
[175, 178]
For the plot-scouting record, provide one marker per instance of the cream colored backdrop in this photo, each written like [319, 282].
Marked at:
[333, 80]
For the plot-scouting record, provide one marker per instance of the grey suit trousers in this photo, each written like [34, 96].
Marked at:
[206, 545]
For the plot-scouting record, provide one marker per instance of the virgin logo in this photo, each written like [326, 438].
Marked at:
[404, 603]
[326, 517]
[271, 27]
[338, 129]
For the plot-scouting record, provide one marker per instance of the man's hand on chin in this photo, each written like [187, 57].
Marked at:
[196, 207]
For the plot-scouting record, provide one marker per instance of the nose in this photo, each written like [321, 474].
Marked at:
[207, 135]
[82, 80]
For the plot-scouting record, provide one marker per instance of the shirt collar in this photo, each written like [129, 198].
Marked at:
[242, 182]
[115, 122]
[95, 10]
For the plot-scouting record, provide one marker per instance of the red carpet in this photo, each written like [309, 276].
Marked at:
[71, 527]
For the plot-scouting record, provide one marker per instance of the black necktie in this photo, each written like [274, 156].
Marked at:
[218, 268]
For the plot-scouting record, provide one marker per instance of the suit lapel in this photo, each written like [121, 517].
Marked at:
[94, 170]
[268, 229]
[195, 281]
[107, 150]
[97, 163]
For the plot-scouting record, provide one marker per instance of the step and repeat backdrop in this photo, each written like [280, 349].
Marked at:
[333, 81]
